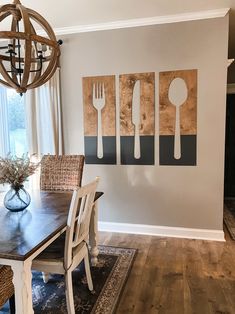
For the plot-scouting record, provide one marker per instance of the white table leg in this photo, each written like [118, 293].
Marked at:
[93, 239]
[22, 281]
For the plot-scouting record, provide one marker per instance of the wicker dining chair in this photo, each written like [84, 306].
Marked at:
[61, 172]
[7, 288]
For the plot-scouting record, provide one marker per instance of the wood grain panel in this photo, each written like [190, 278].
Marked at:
[108, 113]
[188, 110]
[127, 82]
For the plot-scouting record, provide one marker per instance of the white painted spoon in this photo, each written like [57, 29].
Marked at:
[178, 94]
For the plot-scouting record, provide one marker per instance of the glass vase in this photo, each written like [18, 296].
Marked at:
[17, 198]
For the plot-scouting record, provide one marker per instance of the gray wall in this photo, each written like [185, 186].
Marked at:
[158, 195]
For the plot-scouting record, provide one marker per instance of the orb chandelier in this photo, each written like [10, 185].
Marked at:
[27, 60]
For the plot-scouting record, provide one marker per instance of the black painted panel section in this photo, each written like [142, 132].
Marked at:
[188, 150]
[109, 150]
[146, 150]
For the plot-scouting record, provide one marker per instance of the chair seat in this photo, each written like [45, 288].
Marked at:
[51, 260]
[55, 251]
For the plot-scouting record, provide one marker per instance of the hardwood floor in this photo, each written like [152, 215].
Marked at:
[177, 276]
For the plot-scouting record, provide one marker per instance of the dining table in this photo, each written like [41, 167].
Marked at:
[24, 235]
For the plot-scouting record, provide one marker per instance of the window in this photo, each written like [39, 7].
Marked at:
[31, 123]
[12, 123]
[16, 123]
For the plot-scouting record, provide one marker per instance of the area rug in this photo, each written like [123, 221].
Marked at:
[109, 277]
[229, 217]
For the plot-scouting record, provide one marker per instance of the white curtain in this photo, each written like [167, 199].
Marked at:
[4, 130]
[43, 118]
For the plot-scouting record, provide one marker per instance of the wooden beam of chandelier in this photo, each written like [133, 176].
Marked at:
[27, 60]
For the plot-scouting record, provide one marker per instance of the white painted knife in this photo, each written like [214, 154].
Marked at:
[136, 118]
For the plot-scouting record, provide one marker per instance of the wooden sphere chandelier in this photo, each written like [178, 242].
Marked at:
[27, 60]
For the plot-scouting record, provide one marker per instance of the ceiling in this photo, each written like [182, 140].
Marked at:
[82, 12]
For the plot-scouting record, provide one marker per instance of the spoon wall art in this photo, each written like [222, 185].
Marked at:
[178, 117]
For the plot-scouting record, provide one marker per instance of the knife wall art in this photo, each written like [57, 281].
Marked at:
[99, 104]
[137, 118]
[178, 117]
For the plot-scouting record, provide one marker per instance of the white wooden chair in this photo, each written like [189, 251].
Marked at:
[62, 257]
[60, 173]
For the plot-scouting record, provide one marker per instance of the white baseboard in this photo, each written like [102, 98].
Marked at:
[163, 231]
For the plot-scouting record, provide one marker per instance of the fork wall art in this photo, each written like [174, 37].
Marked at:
[99, 119]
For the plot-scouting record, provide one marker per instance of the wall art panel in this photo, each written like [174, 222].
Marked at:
[137, 115]
[99, 105]
[178, 117]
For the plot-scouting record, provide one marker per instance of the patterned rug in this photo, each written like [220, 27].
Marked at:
[229, 217]
[109, 277]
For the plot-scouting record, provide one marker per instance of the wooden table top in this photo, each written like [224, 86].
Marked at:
[22, 233]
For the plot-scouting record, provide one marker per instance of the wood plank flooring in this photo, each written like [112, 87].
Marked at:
[177, 276]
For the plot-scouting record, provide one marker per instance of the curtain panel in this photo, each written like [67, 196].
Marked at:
[43, 118]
